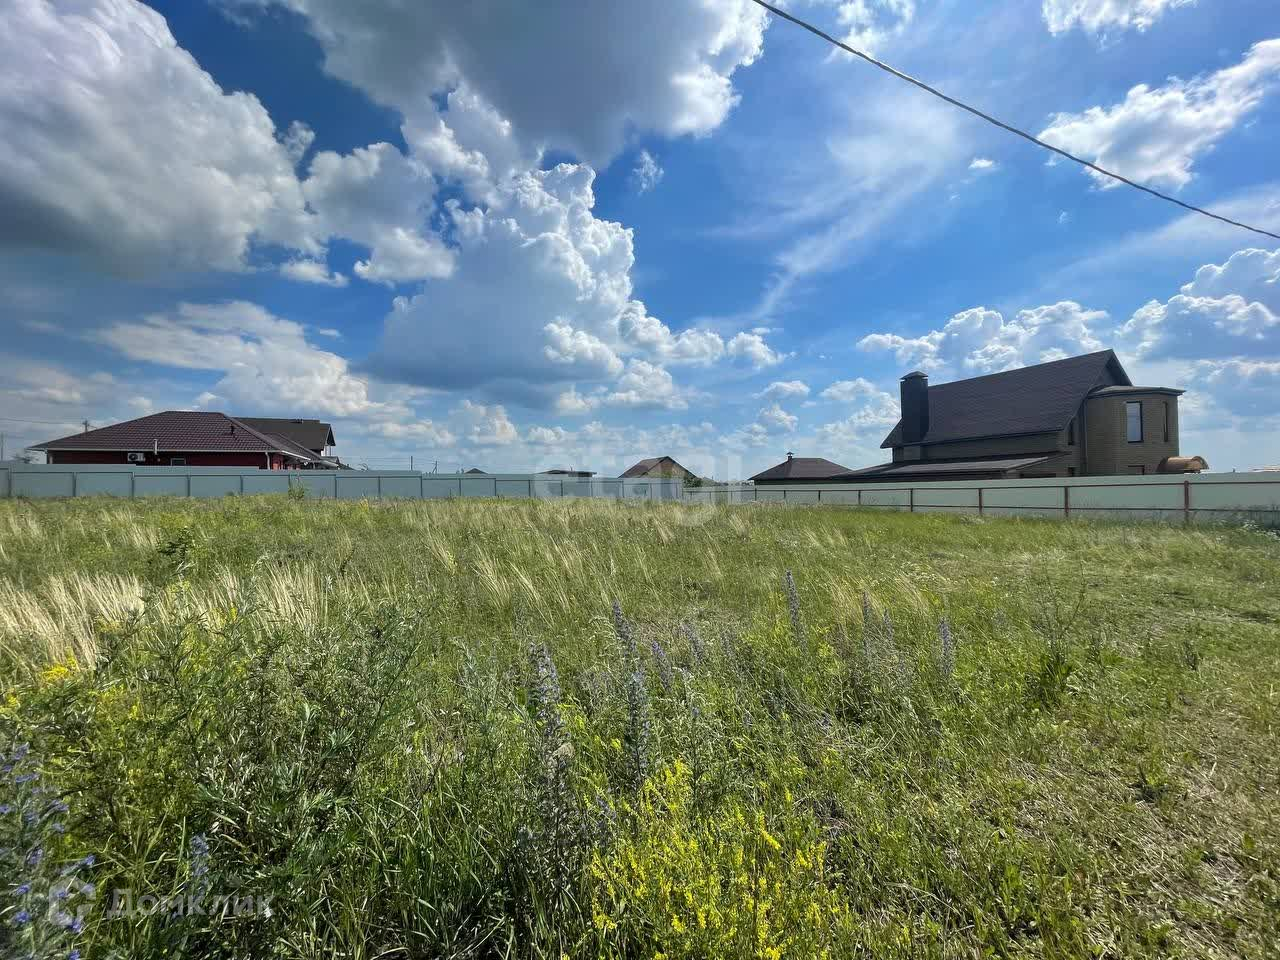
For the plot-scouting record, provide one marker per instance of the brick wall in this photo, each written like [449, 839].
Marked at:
[207, 459]
[1108, 449]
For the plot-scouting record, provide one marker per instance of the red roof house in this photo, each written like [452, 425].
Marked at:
[196, 438]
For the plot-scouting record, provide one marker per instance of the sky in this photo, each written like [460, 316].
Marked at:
[526, 236]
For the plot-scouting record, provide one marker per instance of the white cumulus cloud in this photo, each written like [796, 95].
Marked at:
[312, 271]
[1103, 16]
[774, 418]
[1156, 134]
[980, 340]
[670, 65]
[751, 348]
[118, 147]
[381, 198]
[267, 365]
[784, 390]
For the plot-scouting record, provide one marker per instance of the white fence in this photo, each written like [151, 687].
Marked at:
[1190, 497]
[1173, 497]
[84, 480]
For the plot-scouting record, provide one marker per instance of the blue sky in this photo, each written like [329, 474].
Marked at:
[522, 237]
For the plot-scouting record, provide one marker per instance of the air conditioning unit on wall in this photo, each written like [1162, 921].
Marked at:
[136, 457]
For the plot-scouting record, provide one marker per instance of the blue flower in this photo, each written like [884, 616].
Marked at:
[21, 917]
[73, 955]
[23, 890]
[26, 777]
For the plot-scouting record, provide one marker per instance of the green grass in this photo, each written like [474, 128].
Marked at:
[421, 730]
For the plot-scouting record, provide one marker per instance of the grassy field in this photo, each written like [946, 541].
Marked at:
[425, 729]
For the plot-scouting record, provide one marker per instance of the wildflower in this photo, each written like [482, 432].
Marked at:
[544, 693]
[695, 642]
[665, 675]
[635, 738]
[793, 607]
[625, 632]
[21, 917]
[22, 890]
[199, 865]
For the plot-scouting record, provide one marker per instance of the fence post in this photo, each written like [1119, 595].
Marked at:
[911, 499]
[859, 496]
[1186, 501]
[979, 501]
[1066, 501]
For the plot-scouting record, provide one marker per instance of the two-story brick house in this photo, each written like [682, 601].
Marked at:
[1079, 416]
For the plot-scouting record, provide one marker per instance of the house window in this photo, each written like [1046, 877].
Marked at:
[1071, 433]
[177, 461]
[1166, 421]
[1133, 420]
[1071, 471]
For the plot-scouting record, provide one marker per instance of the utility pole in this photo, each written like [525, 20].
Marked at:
[86, 425]
[411, 463]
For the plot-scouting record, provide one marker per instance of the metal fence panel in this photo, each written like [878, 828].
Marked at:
[215, 485]
[105, 485]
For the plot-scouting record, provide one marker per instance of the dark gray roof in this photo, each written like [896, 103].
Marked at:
[801, 468]
[936, 468]
[180, 431]
[313, 435]
[1037, 399]
[655, 467]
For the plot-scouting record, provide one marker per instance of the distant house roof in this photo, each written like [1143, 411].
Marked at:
[181, 431]
[935, 469]
[1037, 399]
[477, 470]
[800, 468]
[314, 435]
[657, 467]
[570, 473]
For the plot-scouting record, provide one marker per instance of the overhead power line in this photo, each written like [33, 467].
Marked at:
[1005, 126]
[50, 423]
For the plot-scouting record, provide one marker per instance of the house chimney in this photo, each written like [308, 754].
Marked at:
[790, 455]
[915, 407]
